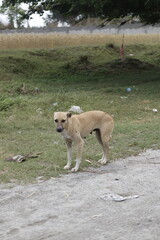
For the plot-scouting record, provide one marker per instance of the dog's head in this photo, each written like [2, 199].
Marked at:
[61, 120]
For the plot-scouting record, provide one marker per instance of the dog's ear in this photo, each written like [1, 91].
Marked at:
[54, 114]
[69, 114]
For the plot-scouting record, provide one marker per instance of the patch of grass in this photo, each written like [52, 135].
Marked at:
[30, 95]
[7, 102]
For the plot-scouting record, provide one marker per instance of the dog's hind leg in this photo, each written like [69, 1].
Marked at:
[105, 146]
[104, 138]
[69, 153]
[98, 135]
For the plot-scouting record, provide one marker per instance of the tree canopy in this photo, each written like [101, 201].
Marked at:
[15, 15]
[66, 10]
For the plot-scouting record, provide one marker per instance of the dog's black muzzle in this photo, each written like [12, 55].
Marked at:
[59, 129]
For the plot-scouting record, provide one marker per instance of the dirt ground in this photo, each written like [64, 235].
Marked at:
[119, 201]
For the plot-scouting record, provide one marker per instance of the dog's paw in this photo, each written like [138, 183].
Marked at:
[75, 169]
[67, 167]
[102, 161]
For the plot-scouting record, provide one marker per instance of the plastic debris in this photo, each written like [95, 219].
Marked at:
[117, 198]
[128, 89]
[75, 109]
[88, 161]
[55, 104]
[122, 97]
[17, 158]
[154, 110]
[96, 216]
[22, 158]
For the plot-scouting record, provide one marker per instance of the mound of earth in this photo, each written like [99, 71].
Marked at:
[126, 64]
[129, 63]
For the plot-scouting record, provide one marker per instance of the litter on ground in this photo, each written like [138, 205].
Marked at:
[117, 198]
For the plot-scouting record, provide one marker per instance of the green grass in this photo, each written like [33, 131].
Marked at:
[31, 81]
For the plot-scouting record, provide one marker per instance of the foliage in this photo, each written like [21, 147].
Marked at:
[69, 10]
[15, 15]
[2, 26]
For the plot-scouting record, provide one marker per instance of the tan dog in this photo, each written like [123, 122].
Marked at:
[75, 127]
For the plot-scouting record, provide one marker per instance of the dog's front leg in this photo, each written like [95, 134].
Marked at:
[69, 153]
[80, 144]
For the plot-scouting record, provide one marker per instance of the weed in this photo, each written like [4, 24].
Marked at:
[6, 102]
[83, 59]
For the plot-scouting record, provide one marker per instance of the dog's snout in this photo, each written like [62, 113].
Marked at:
[59, 129]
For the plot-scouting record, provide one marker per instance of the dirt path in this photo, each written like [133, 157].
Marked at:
[89, 205]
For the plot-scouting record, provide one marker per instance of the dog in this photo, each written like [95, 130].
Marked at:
[74, 128]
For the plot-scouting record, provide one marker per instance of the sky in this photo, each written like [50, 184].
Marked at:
[36, 20]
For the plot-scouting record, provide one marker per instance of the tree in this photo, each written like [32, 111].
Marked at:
[15, 15]
[66, 10]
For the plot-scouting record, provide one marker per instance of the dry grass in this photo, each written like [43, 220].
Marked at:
[23, 41]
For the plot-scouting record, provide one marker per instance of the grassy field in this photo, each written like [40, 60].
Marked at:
[36, 82]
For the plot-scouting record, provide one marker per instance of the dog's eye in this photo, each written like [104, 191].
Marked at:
[63, 120]
[56, 120]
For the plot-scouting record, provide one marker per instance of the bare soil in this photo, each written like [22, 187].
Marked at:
[87, 205]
